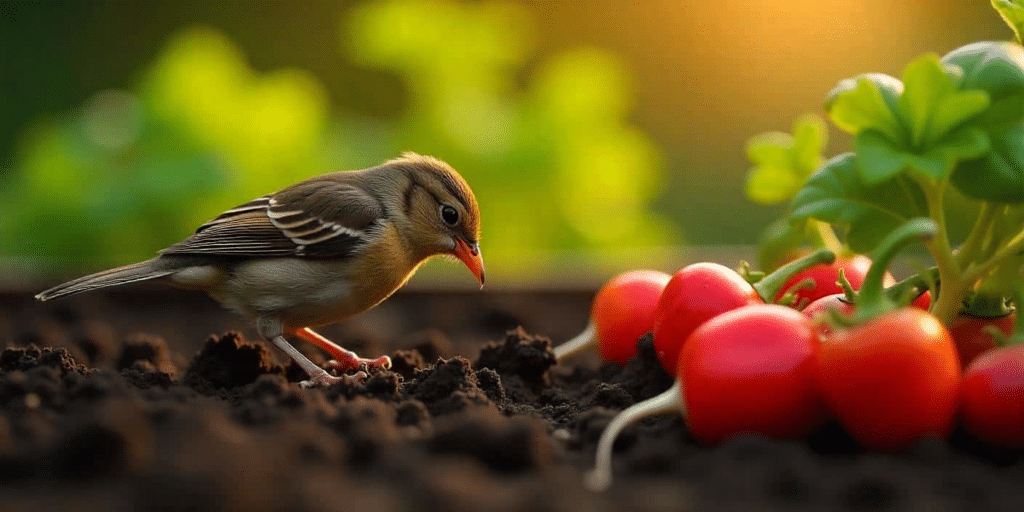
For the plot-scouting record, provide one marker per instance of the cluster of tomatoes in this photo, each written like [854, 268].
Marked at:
[746, 364]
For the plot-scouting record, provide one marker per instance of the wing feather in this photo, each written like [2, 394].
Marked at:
[318, 218]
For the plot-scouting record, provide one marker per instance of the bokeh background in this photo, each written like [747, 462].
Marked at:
[597, 136]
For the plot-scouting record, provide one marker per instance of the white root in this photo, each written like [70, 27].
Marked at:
[581, 342]
[600, 478]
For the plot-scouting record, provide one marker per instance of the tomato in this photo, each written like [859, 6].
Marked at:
[622, 311]
[825, 278]
[923, 301]
[892, 379]
[820, 307]
[992, 398]
[753, 369]
[836, 301]
[969, 334]
[694, 295]
[819, 311]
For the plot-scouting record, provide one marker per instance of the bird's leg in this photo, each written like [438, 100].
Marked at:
[271, 329]
[343, 359]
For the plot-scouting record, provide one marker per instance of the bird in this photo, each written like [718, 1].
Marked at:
[318, 252]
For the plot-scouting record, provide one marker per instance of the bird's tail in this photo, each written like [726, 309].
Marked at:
[134, 273]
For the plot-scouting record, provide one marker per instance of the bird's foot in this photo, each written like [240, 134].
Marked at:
[359, 363]
[343, 359]
[322, 379]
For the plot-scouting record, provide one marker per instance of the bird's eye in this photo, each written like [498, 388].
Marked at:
[449, 215]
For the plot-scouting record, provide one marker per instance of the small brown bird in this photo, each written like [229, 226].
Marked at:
[318, 252]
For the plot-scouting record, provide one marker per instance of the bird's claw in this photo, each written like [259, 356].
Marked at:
[324, 380]
[364, 365]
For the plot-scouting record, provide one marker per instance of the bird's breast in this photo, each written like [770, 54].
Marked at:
[309, 292]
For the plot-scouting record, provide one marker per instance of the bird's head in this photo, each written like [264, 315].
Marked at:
[441, 210]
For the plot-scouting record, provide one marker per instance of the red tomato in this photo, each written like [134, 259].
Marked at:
[752, 369]
[826, 276]
[694, 295]
[623, 311]
[992, 398]
[836, 301]
[818, 311]
[923, 301]
[893, 379]
[969, 334]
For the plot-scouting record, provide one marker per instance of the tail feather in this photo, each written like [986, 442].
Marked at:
[134, 273]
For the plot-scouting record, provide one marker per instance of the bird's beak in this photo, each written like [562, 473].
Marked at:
[470, 255]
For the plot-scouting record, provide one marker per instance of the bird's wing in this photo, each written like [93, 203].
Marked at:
[318, 218]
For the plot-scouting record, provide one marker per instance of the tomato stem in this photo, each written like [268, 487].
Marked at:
[848, 291]
[768, 287]
[581, 342]
[600, 478]
[913, 286]
[872, 300]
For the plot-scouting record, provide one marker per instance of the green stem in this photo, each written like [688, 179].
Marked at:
[982, 227]
[1012, 248]
[872, 300]
[950, 294]
[912, 286]
[770, 286]
[997, 233]
[828, 237]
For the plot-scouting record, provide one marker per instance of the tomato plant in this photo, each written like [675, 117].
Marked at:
[949, 125]
[622, 311]
[893, 376]
[752, 369]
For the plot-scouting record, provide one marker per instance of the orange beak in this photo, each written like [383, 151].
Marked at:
[470, 255]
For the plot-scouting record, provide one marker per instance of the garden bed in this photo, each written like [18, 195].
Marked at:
[145, 399]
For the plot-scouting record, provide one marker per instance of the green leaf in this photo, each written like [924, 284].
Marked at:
[810, 135]
[837, 194]
[782, 161]
[1012, 12]
[933, 113]
[932, 104]
[998, 69]
[867, 102]
[998, 175]
[878, 159]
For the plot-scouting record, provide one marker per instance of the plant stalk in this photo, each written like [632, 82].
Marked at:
[971, 247]
[950, 294]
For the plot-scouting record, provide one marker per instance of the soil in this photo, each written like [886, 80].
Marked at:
[144, 399]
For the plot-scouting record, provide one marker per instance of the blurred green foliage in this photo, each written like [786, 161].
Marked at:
[545, 143]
